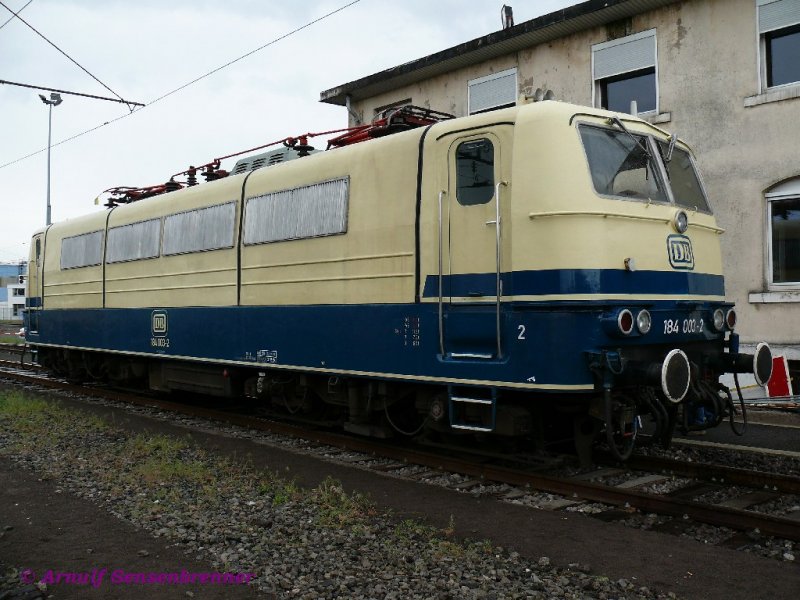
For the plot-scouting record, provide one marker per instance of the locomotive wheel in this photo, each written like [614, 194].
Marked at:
[621, 426]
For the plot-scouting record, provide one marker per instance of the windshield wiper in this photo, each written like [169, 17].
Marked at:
[672, 139]
[618, 123]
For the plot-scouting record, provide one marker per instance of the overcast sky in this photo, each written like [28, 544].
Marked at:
[143, 49]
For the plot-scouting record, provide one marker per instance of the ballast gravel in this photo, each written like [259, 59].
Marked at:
[306, 544]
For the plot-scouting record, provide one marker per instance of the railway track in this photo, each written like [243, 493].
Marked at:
[17, 351]
[694, 499]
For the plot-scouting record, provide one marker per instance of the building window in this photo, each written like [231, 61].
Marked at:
[779, 30]
[783, 220]
[475, 172]
[19, 291]
[498, 90]
[625, 70]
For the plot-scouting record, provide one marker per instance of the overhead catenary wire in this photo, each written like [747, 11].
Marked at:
[243, 56]
[14, 14]
[75, 62]
[186, 85]
[49, 89]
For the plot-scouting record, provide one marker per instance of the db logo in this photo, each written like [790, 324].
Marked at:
[679, 250]
[159, 323]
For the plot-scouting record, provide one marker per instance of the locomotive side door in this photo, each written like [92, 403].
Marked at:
[472, 246]
[34, 287]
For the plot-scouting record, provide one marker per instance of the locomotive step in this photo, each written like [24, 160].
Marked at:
[471, 413]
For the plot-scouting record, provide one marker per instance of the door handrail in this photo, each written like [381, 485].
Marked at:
[498, 249]
[441, 307]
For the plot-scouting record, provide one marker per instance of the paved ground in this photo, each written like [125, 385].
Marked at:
[690, 569]
[774, 429]
[59, 532]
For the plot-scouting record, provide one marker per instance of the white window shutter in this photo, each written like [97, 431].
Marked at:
[497, 89]
[777, 14]
[631, 53]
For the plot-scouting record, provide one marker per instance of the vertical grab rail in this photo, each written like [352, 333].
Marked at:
[441, 314]
[498, 249]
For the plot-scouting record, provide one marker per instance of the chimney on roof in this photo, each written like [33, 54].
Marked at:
[507, 16]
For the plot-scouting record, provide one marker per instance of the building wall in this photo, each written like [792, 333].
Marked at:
[708, 65]
[11, 303]
[15, 303]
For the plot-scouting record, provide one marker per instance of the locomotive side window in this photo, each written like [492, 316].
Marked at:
[133, 242]
[475, 172]
[621, 164]
[683, 179]
[200, 230]
[304, 212]
[85, 250]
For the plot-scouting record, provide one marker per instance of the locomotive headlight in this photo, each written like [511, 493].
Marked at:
[681, 221]
[644, 321]
[719, 319]
[730, 319]
[625, 321]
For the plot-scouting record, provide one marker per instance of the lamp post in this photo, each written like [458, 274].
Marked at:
[55, 100]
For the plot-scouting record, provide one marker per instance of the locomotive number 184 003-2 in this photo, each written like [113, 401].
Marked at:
[693, 325]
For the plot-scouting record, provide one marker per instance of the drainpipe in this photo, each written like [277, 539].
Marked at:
[353, 115]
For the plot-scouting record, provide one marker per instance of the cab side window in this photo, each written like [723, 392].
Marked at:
[475, 172]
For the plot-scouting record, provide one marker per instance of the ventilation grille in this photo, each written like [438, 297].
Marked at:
[251, 163]
[310, 211]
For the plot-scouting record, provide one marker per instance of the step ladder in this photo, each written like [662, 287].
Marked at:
[472, 409]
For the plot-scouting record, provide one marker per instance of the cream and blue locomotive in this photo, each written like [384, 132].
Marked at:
[504, 273]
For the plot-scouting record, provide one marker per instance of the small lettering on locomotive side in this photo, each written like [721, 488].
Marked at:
[159, 342]
[267, 356]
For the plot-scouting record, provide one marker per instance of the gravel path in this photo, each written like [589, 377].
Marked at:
[321, 541]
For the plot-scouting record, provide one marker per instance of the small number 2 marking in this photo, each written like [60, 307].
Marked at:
[521, 335]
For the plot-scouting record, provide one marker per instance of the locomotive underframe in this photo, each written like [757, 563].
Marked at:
[623, 396]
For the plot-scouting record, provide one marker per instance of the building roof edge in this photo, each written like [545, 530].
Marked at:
[527, 34]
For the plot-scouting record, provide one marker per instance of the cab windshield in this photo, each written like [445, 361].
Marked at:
[622, 164]
[683, 180]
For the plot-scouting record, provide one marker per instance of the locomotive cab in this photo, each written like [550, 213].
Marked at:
[618, 214]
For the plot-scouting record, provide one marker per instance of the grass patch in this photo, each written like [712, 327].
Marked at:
[158, 470]
[337, 508]
[33, 416]
[149, 476]
[12, 339]
[283, 492]
[438, 541]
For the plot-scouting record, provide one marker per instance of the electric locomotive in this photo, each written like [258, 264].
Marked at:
[513, 273]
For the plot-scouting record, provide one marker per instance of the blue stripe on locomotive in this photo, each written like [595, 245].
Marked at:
[389, 341]
[578, 281]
